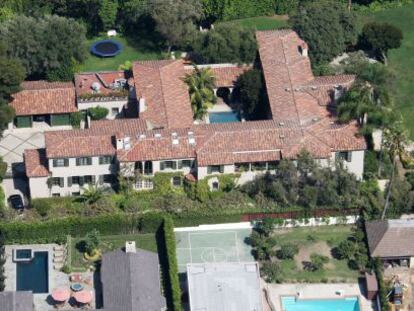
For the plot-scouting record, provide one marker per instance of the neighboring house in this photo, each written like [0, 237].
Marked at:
[16, 301]
[391, 240]
[42, 104]
[109, 89]
[131, 280]
[165, 139]
[224, 286]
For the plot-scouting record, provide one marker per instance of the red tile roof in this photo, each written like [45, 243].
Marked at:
[84, 81]
[35, 163]
[166, 95]
[225, 75]
[42, 97]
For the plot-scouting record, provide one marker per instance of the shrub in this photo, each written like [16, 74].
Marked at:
[383, 292]
[3, 169]
[76, 118]
[42, 206]
[272, 272]
[98, 113]
[92, 241]
[172, 279]
[346, 249]
[287, 251]
[317, 261]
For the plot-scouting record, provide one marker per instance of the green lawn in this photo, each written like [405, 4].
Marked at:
[261, 22]
[401, 61]
[133, 49]
[329, 237]
[112, 242]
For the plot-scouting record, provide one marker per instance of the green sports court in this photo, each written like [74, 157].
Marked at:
[223, 245]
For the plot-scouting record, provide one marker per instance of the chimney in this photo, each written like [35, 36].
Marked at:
[142, 105]
[119, 141]
[174, 137]
[304, 49]
[130, 247]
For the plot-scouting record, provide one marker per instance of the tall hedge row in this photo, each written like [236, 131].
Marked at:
[57, 230]
[169, 255]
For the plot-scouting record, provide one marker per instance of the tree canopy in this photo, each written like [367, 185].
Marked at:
[327, 26]
[43, 44]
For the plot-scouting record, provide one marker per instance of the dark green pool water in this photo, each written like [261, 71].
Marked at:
[33, 275]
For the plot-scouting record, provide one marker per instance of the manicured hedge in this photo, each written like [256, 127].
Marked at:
[382, 290]
[168, 257]
[57, 230]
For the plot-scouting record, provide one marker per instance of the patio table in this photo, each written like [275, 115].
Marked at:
[76, 287]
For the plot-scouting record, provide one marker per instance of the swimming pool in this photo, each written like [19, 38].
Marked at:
[224, 117]
[346, 304]
[33, 275]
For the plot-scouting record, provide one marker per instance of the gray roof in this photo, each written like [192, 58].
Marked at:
[16, 301]
[224, 286]
[131, 281]
[391, 238]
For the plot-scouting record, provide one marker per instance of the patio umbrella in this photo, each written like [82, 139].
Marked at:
[83, 296]
[61, 294]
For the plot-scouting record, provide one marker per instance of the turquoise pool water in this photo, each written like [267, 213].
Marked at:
[345, 304]
[223, 117]
[33, 275]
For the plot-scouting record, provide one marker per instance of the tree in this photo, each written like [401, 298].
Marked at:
[43, 44]
[252, 94]
[200, 86]
[226, 43]
[394, 140]
[92, 241]
[175, 19]
[347, 249]
[107, 13]
[381, 37]
[272, 272]
[311, 21]
[92, 194]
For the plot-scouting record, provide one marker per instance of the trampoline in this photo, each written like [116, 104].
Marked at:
[106, 48]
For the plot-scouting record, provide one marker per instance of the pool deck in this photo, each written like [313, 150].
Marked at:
[316, 291]
[56, 277]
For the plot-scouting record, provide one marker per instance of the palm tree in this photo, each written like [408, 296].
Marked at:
[201, 88]
[394, 140]
[91, 194]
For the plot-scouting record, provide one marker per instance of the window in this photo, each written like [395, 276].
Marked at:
[176, 181]
[56, 195]
[214, 169]
[144, 184]
[76, 194]
[60, 162]
[81, 180]
[168, 165]
[272, 165]
[115, 111]
[74, 180]
[108, 178]
[259, 166]
[105, 160]
[185, 164]
[83, 161]
[344, 155]
[88, 179]
[242, 167]
[215, 186]
[58, 181]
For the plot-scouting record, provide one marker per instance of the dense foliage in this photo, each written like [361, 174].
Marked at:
[2, 263]
[310, 22]
[43, 44]
[225, 44]
[251, 92]
[98, 113]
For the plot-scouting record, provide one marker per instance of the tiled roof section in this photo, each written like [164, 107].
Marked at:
[84, 81]
[78, 143]
[42, 97]
[129, 127]
[391, 238]
[344, 80]
[36, 163]
[16, 301]
[166, 95]
[284, 68]
[225, 75]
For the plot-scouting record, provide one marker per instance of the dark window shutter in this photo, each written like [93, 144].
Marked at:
[54, 162]
[162, 165]
[69, 181]
[180, 164]
[77, 161]
[208, 169]
[93, 179]
[81, 180]
[89, 161]
[349, 156]
[61, 182]
[66, 161]
[101, 160]
[101, 179]
[174, 165]
[221, 168]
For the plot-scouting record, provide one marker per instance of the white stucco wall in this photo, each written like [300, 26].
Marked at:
[38, 187]
[84, 105]
[356, 166]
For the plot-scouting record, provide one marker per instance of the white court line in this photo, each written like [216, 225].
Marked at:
[189, 244]
[208, 232]
[237, 248]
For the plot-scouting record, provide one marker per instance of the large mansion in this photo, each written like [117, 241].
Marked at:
[150, 126]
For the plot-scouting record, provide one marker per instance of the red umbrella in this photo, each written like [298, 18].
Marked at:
[83, 296]
[61, 294]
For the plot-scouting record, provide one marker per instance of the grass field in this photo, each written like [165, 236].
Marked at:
[401, 61]
[112, 242]
[261, 22]
[132, 50]
[323, 240]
